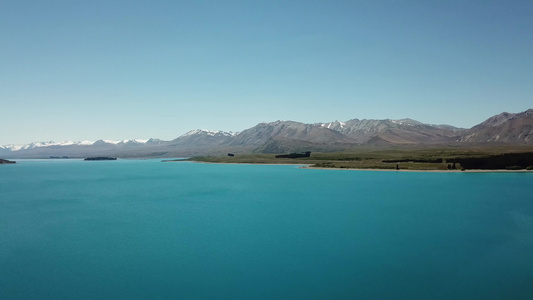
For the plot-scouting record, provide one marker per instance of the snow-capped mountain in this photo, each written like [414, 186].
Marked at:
[403, 131]
[206, 132]
[70, 148]
[263, 132]
[201, 138]
[134, 141]
[13, 147]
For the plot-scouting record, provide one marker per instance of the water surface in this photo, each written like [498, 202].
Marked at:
[140, 229]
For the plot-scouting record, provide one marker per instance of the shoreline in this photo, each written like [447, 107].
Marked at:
[309, 167]
[423, 171]
[237, 163]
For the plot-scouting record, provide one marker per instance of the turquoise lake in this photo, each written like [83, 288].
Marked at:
[144, 229]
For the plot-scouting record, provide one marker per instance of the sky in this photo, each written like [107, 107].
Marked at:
[89, 70]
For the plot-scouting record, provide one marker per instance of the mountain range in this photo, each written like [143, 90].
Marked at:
[289, 136]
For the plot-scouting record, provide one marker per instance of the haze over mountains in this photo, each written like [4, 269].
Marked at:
[290, 136]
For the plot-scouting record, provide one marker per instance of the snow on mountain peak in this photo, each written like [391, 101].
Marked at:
[13, 147]
[209, 132]
[334, 124]
[409, 122]
[140, 141]
[44, 144]
[134, 141]
[111, 142]
[17, 147]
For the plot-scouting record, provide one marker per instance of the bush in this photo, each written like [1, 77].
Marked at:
[514, 168]
[502, 161]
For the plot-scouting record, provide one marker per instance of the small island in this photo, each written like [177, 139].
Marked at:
[5, 162]
[101, 158]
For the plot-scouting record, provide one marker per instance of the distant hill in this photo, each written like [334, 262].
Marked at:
[404, 131]
[503, 128]
[264, 132]
[291, 136]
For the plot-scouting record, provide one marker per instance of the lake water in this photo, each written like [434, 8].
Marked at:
[143, 229]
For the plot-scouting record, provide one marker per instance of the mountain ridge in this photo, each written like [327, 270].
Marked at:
[286, 136]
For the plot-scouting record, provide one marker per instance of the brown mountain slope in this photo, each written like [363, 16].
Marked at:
[404, 131]
[503, 128]
[263, 132]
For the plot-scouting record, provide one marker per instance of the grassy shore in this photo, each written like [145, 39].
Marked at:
[410, 158]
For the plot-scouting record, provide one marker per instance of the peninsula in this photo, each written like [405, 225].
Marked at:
[406, 158]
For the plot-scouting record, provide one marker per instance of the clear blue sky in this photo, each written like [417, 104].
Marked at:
[85, 70]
